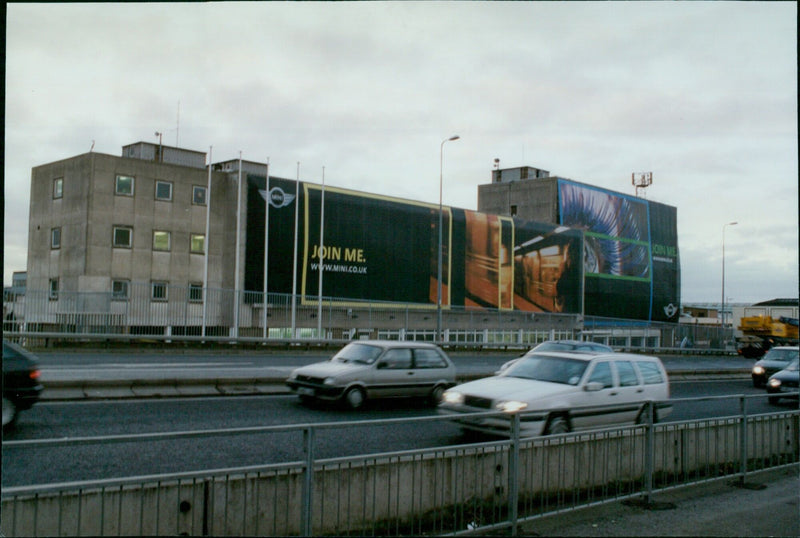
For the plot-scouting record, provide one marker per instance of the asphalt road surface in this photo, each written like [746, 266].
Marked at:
[58, 420]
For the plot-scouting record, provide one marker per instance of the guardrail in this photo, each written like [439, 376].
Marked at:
[461, 489]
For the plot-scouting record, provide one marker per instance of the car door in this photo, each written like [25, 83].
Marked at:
[631, 391]
[393, 375]
[429, 367]
[601, 372]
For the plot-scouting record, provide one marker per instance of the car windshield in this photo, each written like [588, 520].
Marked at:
[781, 354]
[550, 369]
[794, 366]
[362, 353]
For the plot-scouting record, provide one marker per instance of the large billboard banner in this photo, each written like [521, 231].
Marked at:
[630, 252]
[377, 248]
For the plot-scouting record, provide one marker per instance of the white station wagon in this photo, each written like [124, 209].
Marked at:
[559, 392]
[371, 369]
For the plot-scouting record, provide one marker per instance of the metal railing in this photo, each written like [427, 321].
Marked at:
[189, 314]
[460, 489]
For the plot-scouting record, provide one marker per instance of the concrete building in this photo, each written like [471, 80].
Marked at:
[513, 192]
[99, 222]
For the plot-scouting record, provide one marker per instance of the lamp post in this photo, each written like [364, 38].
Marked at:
[722, 309]
[439, 265]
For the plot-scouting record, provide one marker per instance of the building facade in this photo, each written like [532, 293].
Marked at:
[147, 239]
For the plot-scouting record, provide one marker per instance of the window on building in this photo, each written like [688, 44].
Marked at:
[55, 238]
[124, 185]
[164, 191]
[513, 210]
[123, 237]
[120, 290]
[199, 195]
[58, 187]
[161, 240]
[198, 244]
[53, 288]
[195, 293]
[158, 291]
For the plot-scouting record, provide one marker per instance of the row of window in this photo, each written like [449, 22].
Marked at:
[124, 187]
[122, 237]
[120, 291]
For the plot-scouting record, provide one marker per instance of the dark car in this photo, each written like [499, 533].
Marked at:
[21, 387]
[785, 384]
[774, 361]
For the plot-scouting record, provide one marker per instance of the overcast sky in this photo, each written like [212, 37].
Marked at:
[703, 95]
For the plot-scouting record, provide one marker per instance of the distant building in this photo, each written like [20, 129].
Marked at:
[630, 260]
[108, 230]
[100, 222]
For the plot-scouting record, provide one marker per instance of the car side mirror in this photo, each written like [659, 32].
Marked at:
[593, 386]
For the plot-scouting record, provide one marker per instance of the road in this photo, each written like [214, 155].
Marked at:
[52, 420]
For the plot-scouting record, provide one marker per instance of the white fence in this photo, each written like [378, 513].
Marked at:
[185, 314]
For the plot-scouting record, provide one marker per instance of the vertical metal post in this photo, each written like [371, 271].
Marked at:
[649, 456]
[294, 255]
[513, 474]
[743, 440]
[266, 253]
[236, 277]
[439, 264]
[321, 254]
[308, 481]
[205, 246]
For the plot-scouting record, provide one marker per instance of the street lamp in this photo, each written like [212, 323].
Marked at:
[439, 266]
[722, 309]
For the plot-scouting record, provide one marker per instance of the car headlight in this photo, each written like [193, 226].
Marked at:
[329, 381]
[453, 397]
[510, 406]
[758, 370]
[774, 383]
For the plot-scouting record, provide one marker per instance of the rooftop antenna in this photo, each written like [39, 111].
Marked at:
[160, 151]
[496, 163]
[641, 180]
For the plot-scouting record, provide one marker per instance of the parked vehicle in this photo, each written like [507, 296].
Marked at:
[562, 345]
[367, 370]
[21, 387]
[785, 384]
[775, 360]
[553, 391]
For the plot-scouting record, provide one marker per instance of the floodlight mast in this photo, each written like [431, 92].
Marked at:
[641, 180]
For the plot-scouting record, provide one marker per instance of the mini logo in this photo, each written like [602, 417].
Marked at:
[670, 310]
[277, 198]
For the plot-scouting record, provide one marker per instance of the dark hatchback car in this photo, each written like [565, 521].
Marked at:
[21, 387]
[776, 359]
[785, 384]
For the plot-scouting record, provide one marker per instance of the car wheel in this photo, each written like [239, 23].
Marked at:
[9, 413]
[354, 398]
[774, 399]
[436, 395]
[557, 425]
